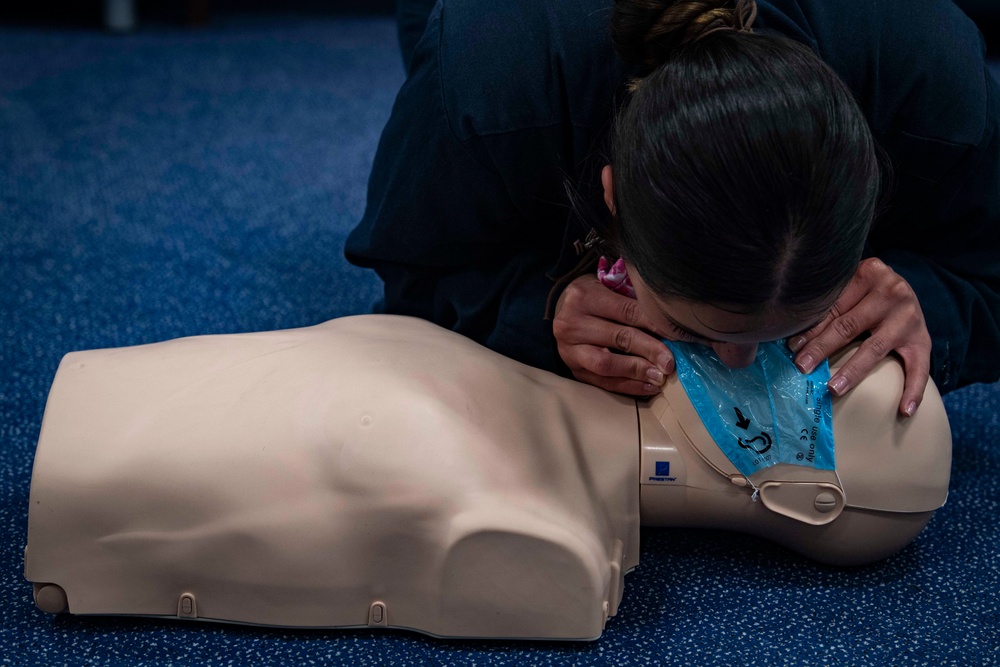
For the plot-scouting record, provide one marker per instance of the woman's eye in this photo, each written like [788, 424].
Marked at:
[683, 335]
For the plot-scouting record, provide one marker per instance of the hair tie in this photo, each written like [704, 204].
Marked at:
[744, 16]
[737, 19]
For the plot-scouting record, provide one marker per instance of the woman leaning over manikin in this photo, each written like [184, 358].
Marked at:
[781, 169]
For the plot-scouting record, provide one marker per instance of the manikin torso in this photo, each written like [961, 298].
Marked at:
[380, 470]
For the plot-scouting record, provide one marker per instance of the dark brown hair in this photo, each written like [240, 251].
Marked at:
[745, 174]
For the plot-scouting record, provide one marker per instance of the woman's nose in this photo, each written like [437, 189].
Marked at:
[736, 355]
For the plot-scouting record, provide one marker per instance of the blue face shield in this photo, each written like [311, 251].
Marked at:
[762, 415]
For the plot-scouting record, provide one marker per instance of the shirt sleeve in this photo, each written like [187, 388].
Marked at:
[442, 230]
[949, 252]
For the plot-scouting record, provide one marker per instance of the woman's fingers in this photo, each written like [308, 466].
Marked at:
[918, 367]
[839, 328]
[880, 303]
[617, 372]
[600, 338]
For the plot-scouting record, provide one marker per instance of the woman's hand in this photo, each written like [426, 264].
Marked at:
[590, 321]
[880, 302]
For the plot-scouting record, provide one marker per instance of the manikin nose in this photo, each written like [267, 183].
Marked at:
[736, 355]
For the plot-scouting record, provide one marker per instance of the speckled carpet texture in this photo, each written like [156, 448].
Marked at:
[176, 182]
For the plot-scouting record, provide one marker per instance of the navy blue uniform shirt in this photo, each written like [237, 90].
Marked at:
[468, 222]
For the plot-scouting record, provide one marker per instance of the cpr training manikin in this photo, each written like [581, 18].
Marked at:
[380, 471]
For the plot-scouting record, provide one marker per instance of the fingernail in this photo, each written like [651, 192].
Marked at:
[651, 389]
[806, 363]
[667, 365]
[655, 376]
[796, 343]
[910, 408]
[838, 385]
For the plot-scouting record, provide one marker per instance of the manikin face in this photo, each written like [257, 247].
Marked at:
[733, 335]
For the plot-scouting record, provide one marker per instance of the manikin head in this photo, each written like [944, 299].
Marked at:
[743, 177]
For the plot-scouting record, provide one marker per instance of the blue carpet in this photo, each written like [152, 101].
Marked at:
[179, 182]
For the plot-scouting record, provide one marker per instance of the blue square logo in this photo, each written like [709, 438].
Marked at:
[663, 468]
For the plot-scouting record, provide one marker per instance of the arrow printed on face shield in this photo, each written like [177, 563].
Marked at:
[758, 444]
[741, 421]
